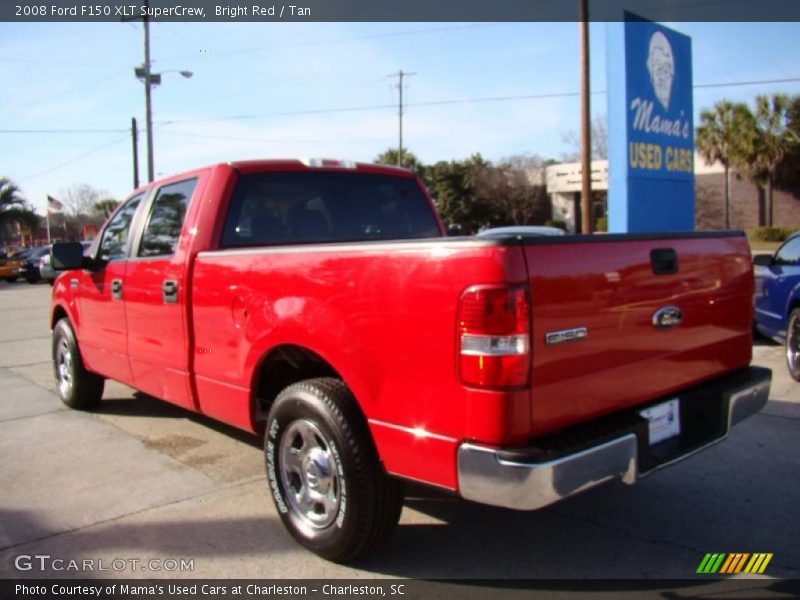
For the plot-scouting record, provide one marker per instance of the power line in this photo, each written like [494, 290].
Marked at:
[271, 141]
[451, 102]
[737, 83]
[77, 158]
[321, 111]
[341, 40]
[62, 130]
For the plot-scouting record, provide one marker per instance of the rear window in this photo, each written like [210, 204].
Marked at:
[307, 207]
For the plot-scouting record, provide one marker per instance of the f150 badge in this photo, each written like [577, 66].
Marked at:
[667, 317]
[567, 335]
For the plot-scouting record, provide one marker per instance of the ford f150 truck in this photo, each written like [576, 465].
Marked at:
[319, 303]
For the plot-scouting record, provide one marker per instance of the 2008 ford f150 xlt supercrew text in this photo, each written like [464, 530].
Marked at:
[318, 303]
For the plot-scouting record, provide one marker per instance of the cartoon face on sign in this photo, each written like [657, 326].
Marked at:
[661, 65]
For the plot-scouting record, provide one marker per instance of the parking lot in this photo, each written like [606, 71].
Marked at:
[140, 480]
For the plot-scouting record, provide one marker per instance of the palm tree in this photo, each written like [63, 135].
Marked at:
[719, 140]
[773, 140]
[13, 207]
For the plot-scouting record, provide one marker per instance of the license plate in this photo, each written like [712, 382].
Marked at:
[664, 419]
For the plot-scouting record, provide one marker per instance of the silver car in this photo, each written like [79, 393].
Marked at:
[522, 230]
[46, 271]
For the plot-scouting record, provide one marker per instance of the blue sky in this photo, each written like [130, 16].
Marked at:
[249, 77]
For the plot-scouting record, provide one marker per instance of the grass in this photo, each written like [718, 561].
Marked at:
[763, 247]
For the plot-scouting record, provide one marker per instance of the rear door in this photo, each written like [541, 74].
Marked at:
[620, 320]
[156, 300]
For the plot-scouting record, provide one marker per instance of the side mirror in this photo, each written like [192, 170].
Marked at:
[762, 260]
[65, 256]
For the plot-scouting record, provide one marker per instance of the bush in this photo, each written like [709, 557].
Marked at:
[770, 234]
[556, 223]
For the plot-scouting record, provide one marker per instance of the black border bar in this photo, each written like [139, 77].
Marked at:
[393, 10]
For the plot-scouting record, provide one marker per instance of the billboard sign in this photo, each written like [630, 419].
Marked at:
[651, 131]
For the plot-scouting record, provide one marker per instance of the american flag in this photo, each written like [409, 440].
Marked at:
[53, 205]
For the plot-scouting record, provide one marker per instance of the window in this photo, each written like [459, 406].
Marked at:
[320, 206]
[789, 254]
[115, 236]
[166, 219]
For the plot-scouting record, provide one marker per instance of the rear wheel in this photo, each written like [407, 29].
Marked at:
[793, 344]
[323, 470]
[77, 387]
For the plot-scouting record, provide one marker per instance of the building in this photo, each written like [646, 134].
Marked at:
[563, 183]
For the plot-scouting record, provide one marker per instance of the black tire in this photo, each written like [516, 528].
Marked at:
[328, 485]
[77, 387]
[793, 344]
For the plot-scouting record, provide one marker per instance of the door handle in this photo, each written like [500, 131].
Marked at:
[664, 261]
[169, 291]
[116, 289]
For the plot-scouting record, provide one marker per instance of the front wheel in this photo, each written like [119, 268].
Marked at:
[77, 387]
[324, 474]
[793, 344]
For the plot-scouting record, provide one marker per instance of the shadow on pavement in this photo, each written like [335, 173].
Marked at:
[144, 406]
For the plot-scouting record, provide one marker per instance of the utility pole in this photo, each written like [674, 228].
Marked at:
[150, 79]
[135, 140]
[586, 131]
[148, 107]
[400, 75]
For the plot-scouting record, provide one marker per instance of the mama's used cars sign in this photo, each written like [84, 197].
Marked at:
[651, 132]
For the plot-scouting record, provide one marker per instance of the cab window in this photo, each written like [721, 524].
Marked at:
[114, 244]
[164, 225]
[789, 253]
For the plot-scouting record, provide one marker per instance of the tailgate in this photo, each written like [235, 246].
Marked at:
[605, 332]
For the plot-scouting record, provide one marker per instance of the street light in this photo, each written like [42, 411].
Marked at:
[150, 79]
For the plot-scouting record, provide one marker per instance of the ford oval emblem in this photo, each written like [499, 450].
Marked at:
[667, 317]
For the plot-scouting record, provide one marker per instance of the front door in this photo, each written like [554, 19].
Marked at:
[103, 330]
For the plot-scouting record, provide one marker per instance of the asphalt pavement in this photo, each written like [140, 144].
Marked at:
[160, 492]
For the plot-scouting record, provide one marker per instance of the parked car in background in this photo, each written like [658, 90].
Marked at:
[777, 299]
[8, 268]
[46, 271]
[30, 265]
[523, 230]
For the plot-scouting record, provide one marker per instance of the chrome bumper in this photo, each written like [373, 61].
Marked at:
[485, 476]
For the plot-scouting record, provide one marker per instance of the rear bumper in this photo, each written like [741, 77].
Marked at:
[616, 447]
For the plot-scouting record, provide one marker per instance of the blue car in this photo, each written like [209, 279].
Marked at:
[777, 299]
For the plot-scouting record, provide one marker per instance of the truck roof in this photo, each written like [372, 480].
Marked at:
[317, 163]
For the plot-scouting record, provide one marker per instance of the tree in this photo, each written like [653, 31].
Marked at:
[14, 209]
[453, 186]
[719, 139]
[410, 161]
[514, 191]
[787, 176]
[79, 199]
[767, 138]
[599, 141]
[104, 208]
[773, 140]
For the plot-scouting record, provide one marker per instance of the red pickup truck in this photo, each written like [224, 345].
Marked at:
[320, 304]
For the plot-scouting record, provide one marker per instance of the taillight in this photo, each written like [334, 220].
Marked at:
[494, 336]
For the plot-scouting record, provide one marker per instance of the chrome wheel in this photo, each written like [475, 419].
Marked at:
[793, 344]
[310, 468]
[64, 367]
